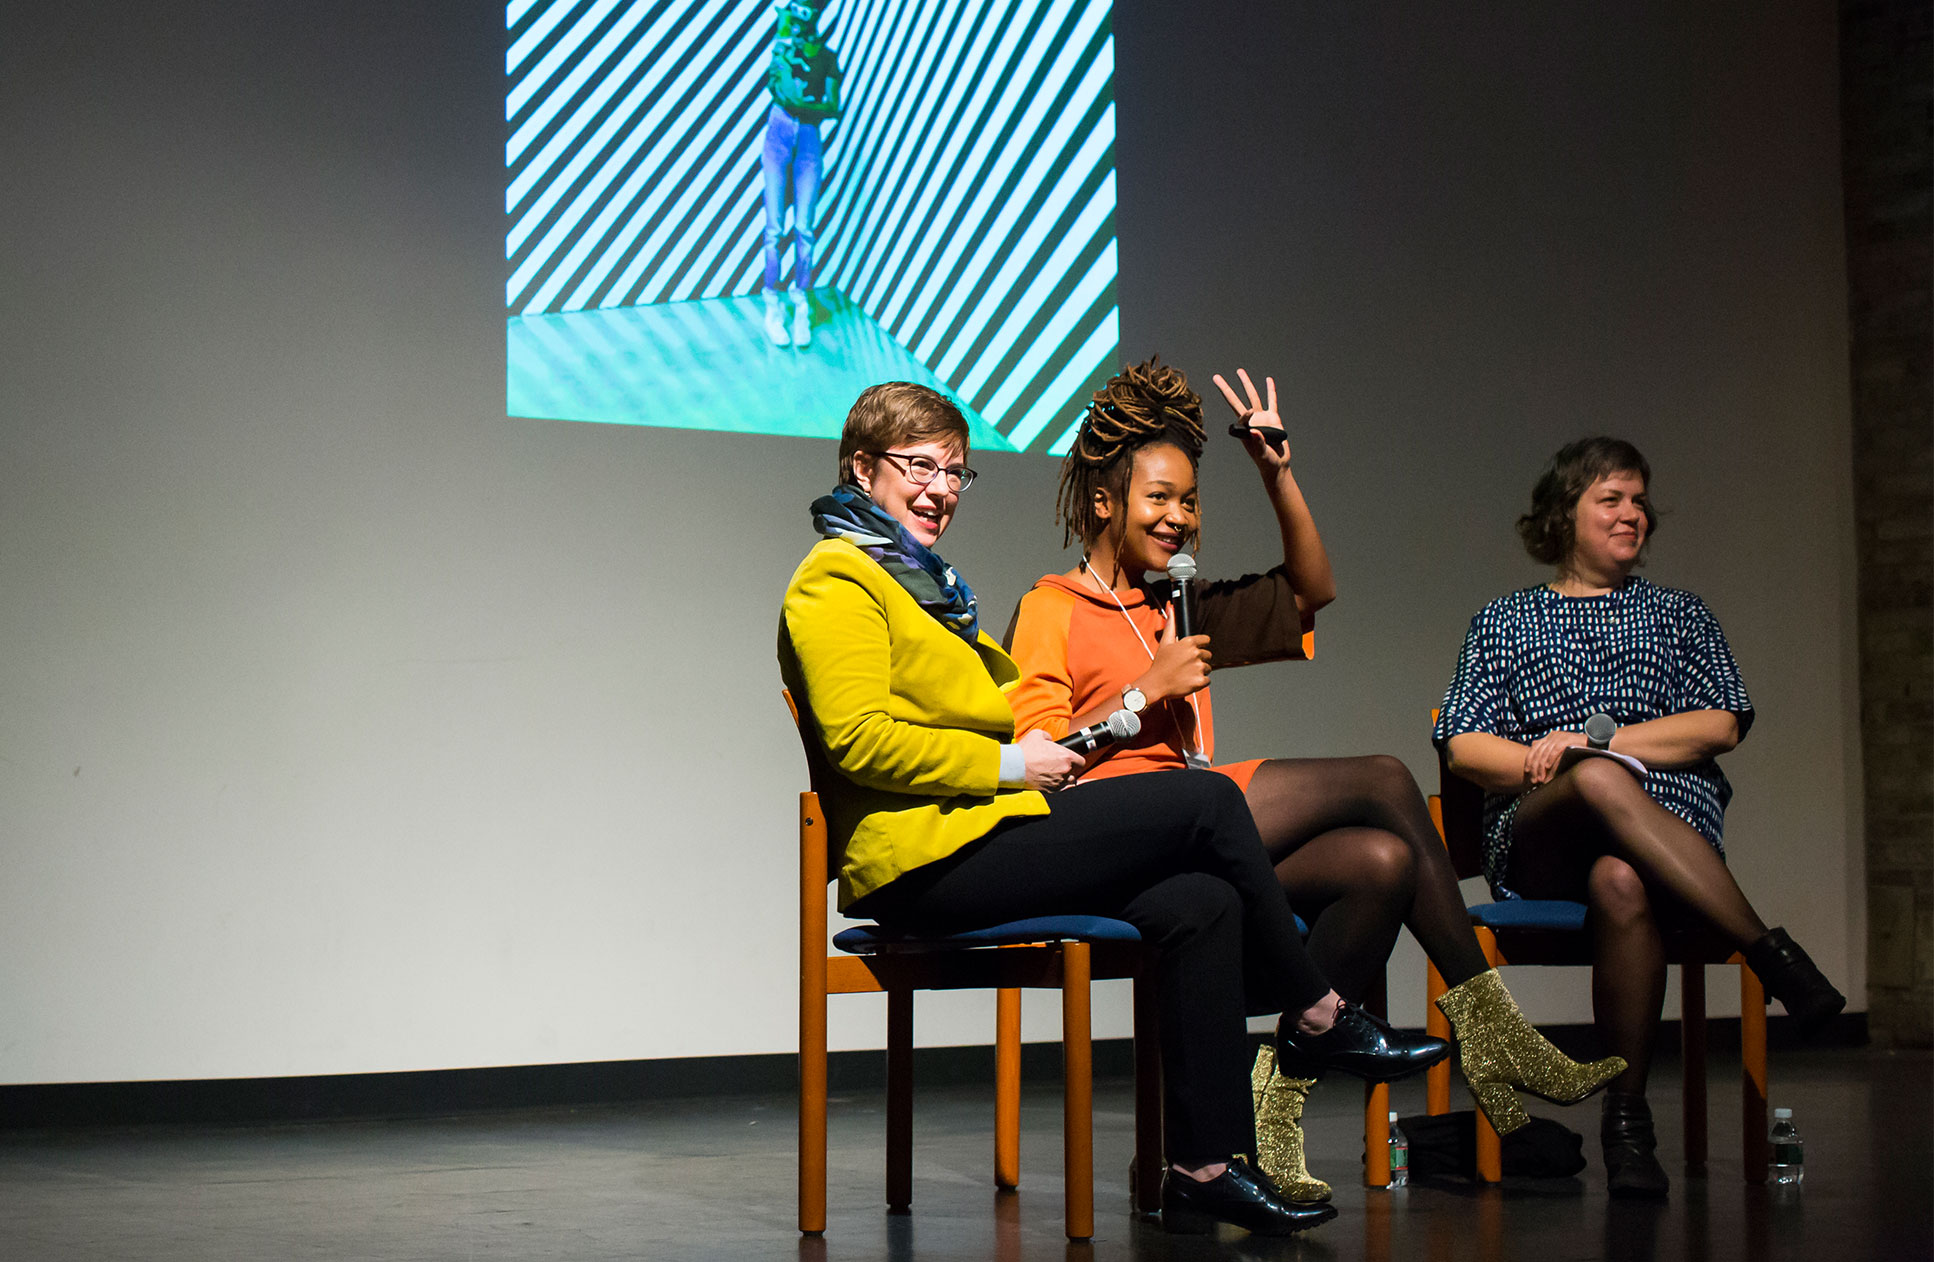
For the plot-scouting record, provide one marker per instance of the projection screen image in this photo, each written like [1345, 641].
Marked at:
[734, 215]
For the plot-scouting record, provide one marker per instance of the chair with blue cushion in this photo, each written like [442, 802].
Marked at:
[1063, 953]
[1552, 932]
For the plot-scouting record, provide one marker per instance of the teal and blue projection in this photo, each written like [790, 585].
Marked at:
[737, 215]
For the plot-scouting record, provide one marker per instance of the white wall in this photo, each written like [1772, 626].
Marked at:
[351, 726]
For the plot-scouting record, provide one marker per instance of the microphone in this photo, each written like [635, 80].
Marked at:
[1181, 571]
[1599, 730]
[1119, 726]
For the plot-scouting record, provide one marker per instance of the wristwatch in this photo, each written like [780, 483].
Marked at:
[1133, 700]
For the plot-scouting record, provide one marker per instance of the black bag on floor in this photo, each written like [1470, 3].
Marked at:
[1446, 1146]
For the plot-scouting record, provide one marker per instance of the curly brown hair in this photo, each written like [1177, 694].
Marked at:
[1140, 406]
[1548, 530]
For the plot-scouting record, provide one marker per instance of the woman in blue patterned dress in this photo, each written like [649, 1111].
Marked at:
[1643, 854]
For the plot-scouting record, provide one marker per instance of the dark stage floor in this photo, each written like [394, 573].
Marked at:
[713, 1179]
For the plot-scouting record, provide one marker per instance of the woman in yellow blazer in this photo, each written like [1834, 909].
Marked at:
[942, 820]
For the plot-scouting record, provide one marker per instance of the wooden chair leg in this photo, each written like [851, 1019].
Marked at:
[1376, 1134]
[812, 1100]
[1437, 1025]
[812, 1016]
[1490, 1154]
[1376, 1103]
[1147, 1192]
[1692, 1050]
[899, 1100]
[1753, 1149]
[1078, 1099]
[1007, 1088]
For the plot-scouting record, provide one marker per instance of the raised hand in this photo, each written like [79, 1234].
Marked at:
[1254, 415]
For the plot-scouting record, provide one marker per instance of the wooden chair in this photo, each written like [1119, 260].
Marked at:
[1062, 953]
[1552, 932]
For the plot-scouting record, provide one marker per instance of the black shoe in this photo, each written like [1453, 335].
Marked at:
[1791, 977]
[1360, 1044]
[1241, 1196]
[1632, 1169]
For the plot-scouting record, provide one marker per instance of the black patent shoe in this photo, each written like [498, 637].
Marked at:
[1361, 1044]
[1791, 977]
[1632, 1169]
[1241, 1196]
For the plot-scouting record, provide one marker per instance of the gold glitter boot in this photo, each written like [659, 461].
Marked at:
[1501, 1050]
[1279, 1129]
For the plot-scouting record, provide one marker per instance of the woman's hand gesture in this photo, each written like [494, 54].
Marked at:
[1541, 763]
[1268, 458]
[1050, 767]
[1180, 667]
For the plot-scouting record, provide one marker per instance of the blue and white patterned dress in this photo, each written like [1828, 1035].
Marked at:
[1536, 662]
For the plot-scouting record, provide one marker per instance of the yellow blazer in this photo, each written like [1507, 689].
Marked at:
[908, 720]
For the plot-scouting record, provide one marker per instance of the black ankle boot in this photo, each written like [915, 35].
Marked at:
[1632, 1168]
[1791, 977]
[1360, 1044]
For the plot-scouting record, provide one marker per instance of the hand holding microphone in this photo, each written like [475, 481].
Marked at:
[1117, 727]
[1181, 663]
[1050, 767]
[1181, 667]
[1181, 576]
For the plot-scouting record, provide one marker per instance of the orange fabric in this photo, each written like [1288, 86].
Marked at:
[1055, 686]
[1241, 772]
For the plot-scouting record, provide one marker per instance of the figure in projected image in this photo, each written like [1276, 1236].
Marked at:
[1350, 839]
[804, 81]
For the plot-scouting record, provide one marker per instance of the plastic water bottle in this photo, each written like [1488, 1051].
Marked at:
[1787, 1164]
[1399, 1155]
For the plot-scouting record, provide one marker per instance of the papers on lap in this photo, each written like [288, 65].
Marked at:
[1578, 753]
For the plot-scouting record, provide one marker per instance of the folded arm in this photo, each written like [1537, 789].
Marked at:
[1676, 741]
[1669, 743]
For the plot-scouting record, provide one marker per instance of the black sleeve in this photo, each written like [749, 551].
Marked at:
[1250, 620]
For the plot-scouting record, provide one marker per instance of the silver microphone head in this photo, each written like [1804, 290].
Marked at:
[1123, 724]
[1599, 729]
[1181, 567]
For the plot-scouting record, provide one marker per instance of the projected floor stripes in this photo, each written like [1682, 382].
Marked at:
[707, 364]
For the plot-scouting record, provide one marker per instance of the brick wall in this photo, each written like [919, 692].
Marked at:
[1885, 59]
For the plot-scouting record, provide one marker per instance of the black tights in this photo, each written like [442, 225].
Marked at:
[1355, 848]
[1593, 833]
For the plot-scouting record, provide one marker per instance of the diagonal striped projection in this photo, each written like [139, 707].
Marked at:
[968, 204]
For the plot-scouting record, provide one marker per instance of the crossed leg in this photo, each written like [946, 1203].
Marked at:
[1594, 832]
[1353, 842]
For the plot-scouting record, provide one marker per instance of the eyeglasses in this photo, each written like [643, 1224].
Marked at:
[920, 470]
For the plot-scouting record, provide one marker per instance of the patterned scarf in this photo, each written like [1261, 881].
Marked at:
[849, 513]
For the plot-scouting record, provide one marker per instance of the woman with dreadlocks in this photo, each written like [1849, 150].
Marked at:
[1351, 839]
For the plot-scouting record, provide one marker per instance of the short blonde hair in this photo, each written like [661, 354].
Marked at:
[895, 413]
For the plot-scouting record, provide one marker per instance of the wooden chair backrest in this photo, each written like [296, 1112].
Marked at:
[813, 830]
[1461, 805]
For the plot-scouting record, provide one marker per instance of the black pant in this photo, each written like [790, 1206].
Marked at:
[1176, 855]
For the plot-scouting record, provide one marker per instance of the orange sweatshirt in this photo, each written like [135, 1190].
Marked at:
[1077, 649]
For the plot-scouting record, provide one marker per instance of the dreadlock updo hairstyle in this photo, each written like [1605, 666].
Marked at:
[1138, 407]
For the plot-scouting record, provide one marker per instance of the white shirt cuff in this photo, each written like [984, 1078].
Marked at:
[1013, 767]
